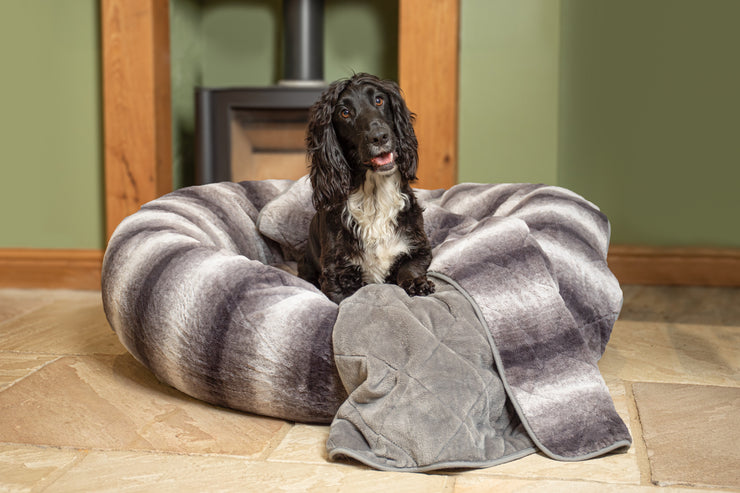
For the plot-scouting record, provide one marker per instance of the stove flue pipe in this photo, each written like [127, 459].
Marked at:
[303, 38]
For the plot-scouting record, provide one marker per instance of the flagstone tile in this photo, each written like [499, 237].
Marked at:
[27, 468]
[127, 471]
[481, 484]
[71, 323]
[693, 305]
[16, 302]
[691, 433]
[114, 403]
[673, 353]
[613, 468]
[303, 443]
[14, 366]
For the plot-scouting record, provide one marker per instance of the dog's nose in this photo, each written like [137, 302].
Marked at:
[379, 136]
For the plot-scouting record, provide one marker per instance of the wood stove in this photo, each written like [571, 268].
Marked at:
[257, 133]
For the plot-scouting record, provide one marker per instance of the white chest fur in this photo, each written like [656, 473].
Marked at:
[372, 211]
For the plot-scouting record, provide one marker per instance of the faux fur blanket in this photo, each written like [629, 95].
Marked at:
[198, 287]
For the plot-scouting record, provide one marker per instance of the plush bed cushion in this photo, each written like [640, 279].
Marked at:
[198, 287]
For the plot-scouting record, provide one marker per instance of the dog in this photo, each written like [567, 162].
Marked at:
[368, 226]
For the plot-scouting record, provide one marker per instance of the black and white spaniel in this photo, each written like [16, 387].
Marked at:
[368, 226]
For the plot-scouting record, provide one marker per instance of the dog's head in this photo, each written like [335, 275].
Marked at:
[358, 125]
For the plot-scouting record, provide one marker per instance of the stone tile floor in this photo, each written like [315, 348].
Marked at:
[77, 413]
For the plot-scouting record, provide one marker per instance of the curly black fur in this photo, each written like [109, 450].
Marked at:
[362, 150]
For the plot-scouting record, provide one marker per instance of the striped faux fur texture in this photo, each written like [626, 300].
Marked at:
[189, 287]
[193, 287]
[533, 258]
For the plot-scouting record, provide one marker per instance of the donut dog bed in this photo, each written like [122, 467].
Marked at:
[199, 286]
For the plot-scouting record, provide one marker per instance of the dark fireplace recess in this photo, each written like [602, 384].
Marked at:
[254, 133]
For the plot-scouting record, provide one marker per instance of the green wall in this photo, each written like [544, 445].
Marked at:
[650, 117]
[50, 125]
[634, 104]
[508, 91]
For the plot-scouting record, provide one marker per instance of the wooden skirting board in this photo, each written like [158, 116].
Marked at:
[80, 269]
[50, 268]
[675, 266]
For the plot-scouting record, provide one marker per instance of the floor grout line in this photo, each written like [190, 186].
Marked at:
[641, 454]
[35, 370]
[276, 440]
[24, 313]
[449, 486]
[57, 475]
[60, 354]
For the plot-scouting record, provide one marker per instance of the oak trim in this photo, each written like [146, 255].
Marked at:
[428, 62]
[80, 269]
[50, 269]
[136, 105]
[675, 266]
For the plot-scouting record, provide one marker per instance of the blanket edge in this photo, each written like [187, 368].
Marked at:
[337, 453]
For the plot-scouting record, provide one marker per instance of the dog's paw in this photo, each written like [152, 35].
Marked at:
[350, 280]
[419, 286]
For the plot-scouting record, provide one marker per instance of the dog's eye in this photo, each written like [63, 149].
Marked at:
[344, 113]
[379, 101]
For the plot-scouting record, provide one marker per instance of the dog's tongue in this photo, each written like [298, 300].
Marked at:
[382, 160]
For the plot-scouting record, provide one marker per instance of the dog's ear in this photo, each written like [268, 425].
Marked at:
[403, 120]
[329, 171]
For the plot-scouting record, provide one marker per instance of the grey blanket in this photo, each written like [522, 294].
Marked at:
[500, 360]
[425, 393]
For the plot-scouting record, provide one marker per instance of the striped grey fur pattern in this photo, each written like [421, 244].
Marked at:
[533, 258]
[190, 287]
[194, 287]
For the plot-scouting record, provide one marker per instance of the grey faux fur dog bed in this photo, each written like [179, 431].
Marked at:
[198, 287]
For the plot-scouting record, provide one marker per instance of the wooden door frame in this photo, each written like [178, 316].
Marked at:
[137, 109]
[428, 72]
[137, 97]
